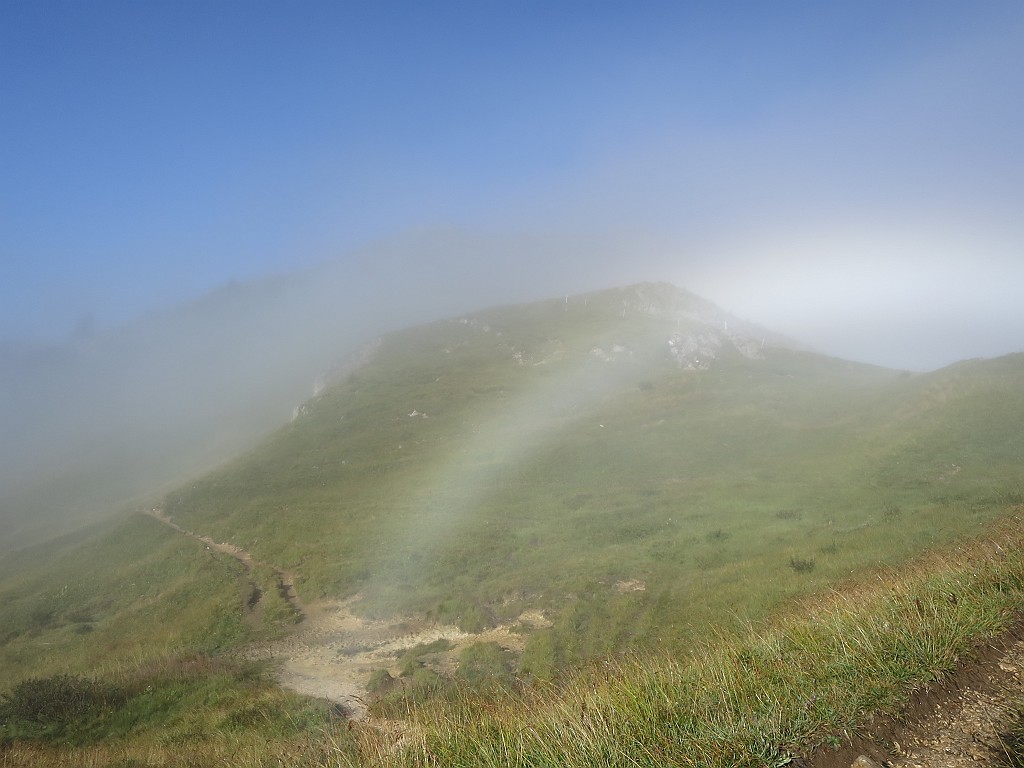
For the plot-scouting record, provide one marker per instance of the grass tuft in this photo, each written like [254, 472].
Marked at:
[802, 564]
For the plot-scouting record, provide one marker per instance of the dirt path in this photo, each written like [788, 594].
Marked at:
[333, 652]
[284, 582]
[957, 723]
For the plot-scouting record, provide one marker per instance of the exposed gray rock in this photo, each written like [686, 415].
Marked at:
[695, 351]
[617, 351]
[752, 349]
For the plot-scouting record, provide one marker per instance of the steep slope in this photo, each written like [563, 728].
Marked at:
[577, 476]
[610, 459]
[89, 424]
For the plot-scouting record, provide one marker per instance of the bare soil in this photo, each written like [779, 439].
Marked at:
[959, 721]
[333, 652]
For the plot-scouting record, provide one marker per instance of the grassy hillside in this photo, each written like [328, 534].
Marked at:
[558, 450]
[639, 467]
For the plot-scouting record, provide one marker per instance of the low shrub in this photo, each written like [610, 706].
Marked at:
[801, 564]
[891, 511]
[60, 698]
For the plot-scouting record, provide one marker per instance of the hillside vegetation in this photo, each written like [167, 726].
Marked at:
[643, 471]
[538, 456]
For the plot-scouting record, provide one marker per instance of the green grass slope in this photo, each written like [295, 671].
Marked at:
[641, 467]
[551, 455]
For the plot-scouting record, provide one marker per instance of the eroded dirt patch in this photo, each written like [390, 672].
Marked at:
[955, 723]
[334, 652]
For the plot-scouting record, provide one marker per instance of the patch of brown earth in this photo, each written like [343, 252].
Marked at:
[334, 652]
[954, 723]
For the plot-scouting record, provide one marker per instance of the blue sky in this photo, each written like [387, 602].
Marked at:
[809, 165]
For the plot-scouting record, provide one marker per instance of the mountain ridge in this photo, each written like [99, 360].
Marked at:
[595, 360]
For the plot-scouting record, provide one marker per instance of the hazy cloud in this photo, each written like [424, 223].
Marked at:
[198, 218]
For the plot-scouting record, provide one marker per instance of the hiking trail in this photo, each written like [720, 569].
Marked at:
[332, 652]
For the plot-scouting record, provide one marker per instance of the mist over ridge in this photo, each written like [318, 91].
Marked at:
[122, 412]
[848, 176]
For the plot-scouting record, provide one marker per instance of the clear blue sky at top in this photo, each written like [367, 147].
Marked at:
[150, 151]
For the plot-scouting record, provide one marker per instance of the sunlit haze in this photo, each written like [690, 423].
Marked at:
[850, 174]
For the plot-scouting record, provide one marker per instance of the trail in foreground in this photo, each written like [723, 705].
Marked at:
[958, 722]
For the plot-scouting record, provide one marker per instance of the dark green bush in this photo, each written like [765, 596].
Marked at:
[59, 699]
[74, 710]
[801, 564]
